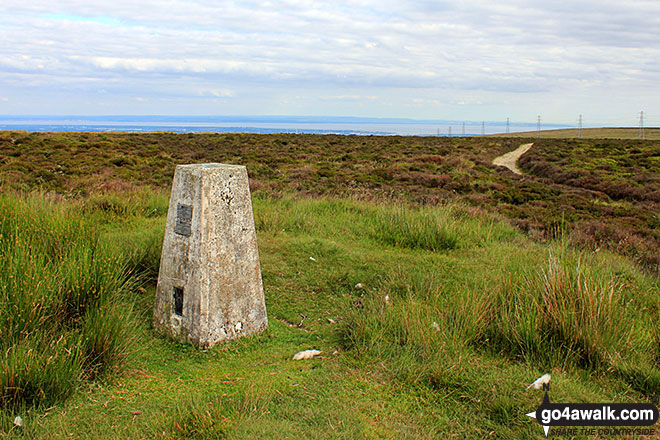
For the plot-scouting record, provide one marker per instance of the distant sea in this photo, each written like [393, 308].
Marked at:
[260, 124]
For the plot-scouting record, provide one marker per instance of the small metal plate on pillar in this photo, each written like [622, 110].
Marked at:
[183, 219]
[209, 283]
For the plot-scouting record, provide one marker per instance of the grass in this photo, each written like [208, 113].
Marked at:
[651, 133]
[438, 286]
[440, 339]
[601, 193]
[571, 312]
[62, 315]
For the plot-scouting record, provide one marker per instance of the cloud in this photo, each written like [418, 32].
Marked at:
[217, 93]
[347, 48]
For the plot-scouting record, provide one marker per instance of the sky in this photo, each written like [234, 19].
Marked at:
[457, 60]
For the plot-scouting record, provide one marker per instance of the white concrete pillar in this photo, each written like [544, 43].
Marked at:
[209, 283]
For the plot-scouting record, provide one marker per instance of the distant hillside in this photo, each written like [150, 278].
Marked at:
[605, 193]
[589, 133]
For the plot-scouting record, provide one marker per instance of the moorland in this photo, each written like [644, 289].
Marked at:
[440, 285]
[650, 133]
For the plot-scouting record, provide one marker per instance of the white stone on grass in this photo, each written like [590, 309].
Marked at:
[306, 354]
[538, 383]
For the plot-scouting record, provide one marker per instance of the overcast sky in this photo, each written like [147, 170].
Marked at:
[460, 60]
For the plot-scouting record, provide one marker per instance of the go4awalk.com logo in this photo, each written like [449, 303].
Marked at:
[620, 419]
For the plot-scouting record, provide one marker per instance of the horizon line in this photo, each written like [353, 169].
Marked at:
[273, 118]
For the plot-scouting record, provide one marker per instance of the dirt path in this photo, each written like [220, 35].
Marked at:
[509, 159]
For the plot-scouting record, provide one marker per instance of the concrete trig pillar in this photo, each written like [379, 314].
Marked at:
[209, 283]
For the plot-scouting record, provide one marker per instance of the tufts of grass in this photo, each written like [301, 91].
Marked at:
[415, 229]
[213, 418]
[39, 370]
[195, 419]
[140, 245]
[432, 344]
[573, 312]
[60, 290]
[121, 205]
[104, 338]
[436, 229]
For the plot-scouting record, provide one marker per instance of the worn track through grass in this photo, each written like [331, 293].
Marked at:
[510, 159]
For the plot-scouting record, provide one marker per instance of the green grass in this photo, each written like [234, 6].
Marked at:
[62, 314]
[457, 313]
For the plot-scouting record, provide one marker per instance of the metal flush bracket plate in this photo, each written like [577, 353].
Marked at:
[183, 219]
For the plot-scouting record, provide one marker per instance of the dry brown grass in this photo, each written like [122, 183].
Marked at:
[589, 133]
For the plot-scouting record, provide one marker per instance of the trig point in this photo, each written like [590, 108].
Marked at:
[209, 283]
